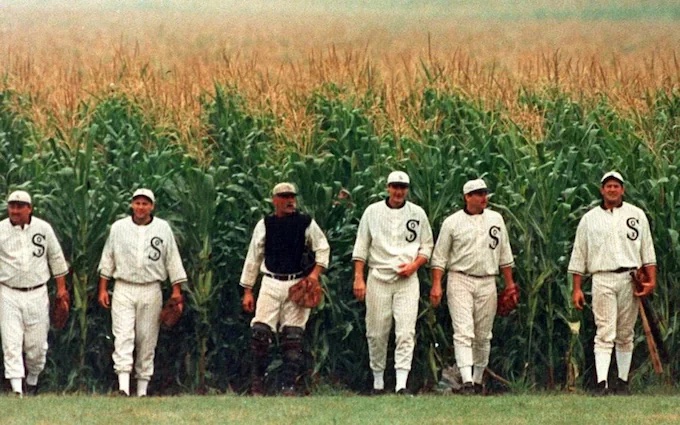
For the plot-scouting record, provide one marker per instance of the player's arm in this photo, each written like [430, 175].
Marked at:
[436, 290]
[359, 286]
[577, 296]
[251, 267]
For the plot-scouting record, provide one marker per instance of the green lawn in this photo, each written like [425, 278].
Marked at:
[508, 409]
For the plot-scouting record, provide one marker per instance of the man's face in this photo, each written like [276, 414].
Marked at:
[612, 192]
[476, 201]
[19, 213]
[141, 209]
[284, 204]
[397, 193]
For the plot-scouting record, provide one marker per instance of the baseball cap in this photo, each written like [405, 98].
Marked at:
[284, 188]
[474, 186]
[146, 193]
[19, 196]
[398, 177]
[612, 175]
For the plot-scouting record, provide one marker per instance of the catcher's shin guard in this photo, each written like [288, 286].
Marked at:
[291, 345]
[260, 340]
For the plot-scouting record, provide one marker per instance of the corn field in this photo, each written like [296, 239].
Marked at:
[211, 131]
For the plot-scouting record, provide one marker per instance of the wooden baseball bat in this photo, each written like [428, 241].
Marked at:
[651, 343]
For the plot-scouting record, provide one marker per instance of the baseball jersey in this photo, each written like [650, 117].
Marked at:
[477, 245]
[30, 254]
[607, 240]
[254, 264]
[388, 237]
[141, 254]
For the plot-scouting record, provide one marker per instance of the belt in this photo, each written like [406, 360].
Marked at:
[476, 276]
[622, 270]
[291, 276]
[30, 288]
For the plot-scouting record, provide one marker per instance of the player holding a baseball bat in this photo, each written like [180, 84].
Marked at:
[612, 240]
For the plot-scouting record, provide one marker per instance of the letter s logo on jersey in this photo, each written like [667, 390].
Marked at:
[411, 227]
[632, 224]
[494, 234]
[156, 242]
[39, 241]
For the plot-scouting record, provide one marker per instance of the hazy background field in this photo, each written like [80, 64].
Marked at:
[210, 103]
[276, 51]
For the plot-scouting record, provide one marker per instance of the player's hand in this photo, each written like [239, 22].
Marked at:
[436, 295]
[359, 288]
[406, 269]
[179, 300]
[578, 299]
[103, 299]
[647, 289]
[248, 302]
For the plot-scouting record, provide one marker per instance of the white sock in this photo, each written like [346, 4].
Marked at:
[16, 385]
[402, 377]
[142, 385]
[602, 361]
[477, 374]
[623, 361]
[379, 380]
[32, 379]
[466, 374]
[124, 382]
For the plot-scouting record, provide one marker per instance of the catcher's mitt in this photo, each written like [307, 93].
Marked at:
[306, 293]
[60, 311]
[171, 312]
[508, 300]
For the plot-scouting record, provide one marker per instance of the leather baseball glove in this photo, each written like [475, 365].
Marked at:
[171, 312]
[60, 311]
[306, 293]
[508, 300]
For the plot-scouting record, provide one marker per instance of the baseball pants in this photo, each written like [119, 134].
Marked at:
[472, 305]
[273, 307]
[386, 301]
[615, 310]
[135, 317]
[24, 324]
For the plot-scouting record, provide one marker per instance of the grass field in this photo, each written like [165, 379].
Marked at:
[420, 410]
[210, 103]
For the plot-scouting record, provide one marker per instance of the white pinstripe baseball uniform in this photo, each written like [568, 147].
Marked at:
[28, 256]
[139, 258]
[472, 248]
[388, 237]
[609, 244]
[273, 306]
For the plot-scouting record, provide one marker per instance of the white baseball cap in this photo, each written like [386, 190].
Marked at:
[19, 196]
[398, 177]
[284, 188]
[612, 175]
[474, 186]
[146, 193]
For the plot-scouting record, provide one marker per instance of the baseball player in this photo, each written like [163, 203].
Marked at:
[613, 239]
[29, 254]
[473, 245]
[395, 240]
[139, 254]
[276, 250]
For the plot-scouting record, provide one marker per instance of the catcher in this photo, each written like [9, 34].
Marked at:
[473, 245]
[288, 291]
[29, 254]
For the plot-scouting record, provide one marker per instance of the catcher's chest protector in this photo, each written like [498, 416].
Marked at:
[285, 242]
